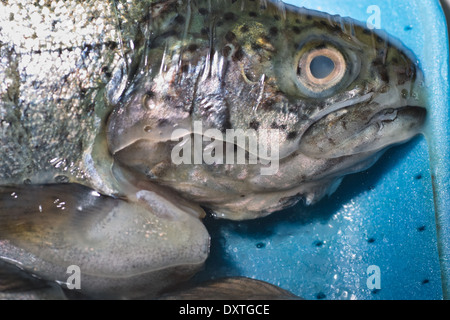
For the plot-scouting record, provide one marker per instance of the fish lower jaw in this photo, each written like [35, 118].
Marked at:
[259, 205]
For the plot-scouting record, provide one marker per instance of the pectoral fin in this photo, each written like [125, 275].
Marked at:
[16, 284]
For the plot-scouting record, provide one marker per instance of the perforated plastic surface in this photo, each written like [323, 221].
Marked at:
[395, 215]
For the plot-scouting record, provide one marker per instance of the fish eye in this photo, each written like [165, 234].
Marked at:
[320, 69]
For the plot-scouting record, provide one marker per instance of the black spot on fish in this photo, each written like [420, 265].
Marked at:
[267, 104]
[245, 28]
[273, 31]
[192, 47]
[256, 46]
[230, 36]
[106, 71]
[254, 124]
[293, 110]
[83, 92]
[185, 68]
[180, 19]
[324, 23]
[275, 125]
[321, 46]
[296, 29]
[229, 16]
[379, 66]
[344, 124]
[367, 31]
[252, 14]
[149, 94]
[335, 28]
[204, 31]
[291, 135]
[112, 45]
[239, 54]
[297, 21]
[146, 17]
[163, 122]
[226, 51]
[309, 17]
[203, 11]
[277, 17]
[265, 37]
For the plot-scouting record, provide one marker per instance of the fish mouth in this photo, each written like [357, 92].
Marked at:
[387, 127]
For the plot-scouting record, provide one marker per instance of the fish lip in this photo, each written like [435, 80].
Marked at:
[388, 126]
[420, 113]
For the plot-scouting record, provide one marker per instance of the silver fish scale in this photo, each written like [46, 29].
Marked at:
[55, 61]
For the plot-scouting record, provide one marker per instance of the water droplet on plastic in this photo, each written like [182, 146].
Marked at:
[408, 28]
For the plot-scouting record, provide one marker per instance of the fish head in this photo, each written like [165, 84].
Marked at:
[332, 86]
[336, 92]
[360, 89]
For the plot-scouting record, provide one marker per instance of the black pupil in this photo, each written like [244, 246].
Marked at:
[321, 67]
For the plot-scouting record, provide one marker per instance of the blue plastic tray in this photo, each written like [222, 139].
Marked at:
[395, 216]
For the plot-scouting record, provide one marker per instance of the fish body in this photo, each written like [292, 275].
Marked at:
[62, 66]
[236, 288]
[95, 96]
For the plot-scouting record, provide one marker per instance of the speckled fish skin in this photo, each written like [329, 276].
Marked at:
[56, 61]
[238, 65]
